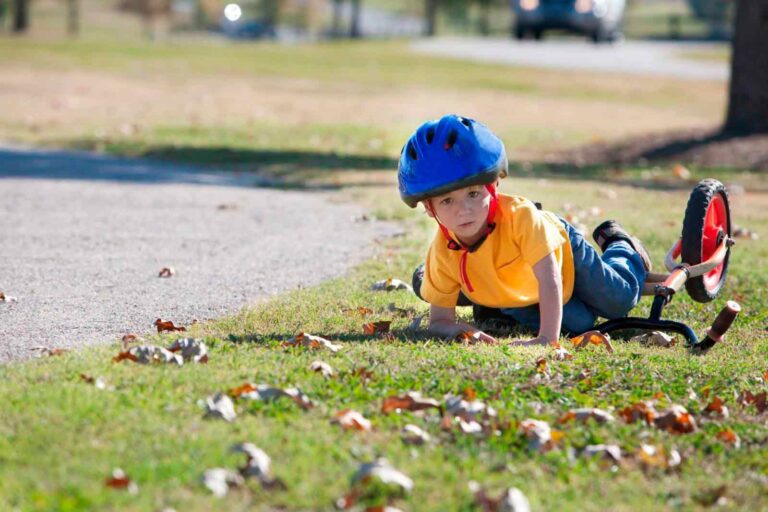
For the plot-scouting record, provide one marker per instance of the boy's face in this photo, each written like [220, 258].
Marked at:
[463, 211]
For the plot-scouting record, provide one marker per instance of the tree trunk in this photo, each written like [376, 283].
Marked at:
[354, 24]
[21, 16]
[430, 17]
[73, 17]
[336, 23]
[748, 95]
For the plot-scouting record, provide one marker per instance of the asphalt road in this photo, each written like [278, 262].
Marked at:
[634, 57]
[83, 237]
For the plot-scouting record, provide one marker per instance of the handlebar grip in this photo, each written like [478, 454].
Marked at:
[719, 327]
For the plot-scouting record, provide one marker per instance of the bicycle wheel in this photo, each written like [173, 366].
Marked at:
[706, 224]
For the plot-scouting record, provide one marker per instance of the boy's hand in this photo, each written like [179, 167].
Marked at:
[539, 340]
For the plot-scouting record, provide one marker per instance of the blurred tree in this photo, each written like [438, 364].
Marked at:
[20, 15]
[73, 17]
[151, 11]
[354, 22]
[430, 17]
[748, 94]
[3, 10]
[336, 20]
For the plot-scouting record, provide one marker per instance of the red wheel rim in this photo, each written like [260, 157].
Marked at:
[715, 222]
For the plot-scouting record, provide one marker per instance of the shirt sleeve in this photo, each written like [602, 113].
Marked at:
[439, 287]
[536, 231]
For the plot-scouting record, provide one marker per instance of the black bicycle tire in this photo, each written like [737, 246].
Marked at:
[693, 229]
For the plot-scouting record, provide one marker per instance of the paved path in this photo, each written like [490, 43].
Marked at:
[635, 57]
[82, 238]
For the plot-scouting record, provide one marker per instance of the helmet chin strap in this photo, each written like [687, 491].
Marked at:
[456, 245]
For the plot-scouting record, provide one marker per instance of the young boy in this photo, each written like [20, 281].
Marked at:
[501, 252]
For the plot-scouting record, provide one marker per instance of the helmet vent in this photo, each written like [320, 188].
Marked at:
[451, 140]
[465, 122]
[430, 135]
[412, 152]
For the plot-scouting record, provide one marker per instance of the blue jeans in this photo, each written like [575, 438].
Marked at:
[607, 286]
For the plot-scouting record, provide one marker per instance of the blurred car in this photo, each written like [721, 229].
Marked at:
[600, 20]
[235, 24]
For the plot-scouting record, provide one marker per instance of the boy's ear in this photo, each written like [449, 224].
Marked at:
[427, 209]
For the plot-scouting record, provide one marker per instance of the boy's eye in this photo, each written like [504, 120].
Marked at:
[473, 194]
[446, 201]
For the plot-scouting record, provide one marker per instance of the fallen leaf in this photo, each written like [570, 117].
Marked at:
[541, 366]
[363, 373]
[377, 477]
[560, 354]
[310, 341]
[119, 480]
[655, 339]
[759, 401]
[676, 420]
[168, 326]
[391, 285]
[594, 338]
[362, 311]
[712, 497]
[266, 393]
[191, 349]
[468, 337]
[413, 435]
[352, 420]
[50, 352]
[585, 414]
[681, 172]
[411, 401]
[220, 480]
[131, 338]
[98, 382]
[608, 451]
[147, 354]
[656, 457]
[640, 411]
[220, 406]
[166, 272]
[511, 500]
[7, 298]
[258, 465]
[716, 406]
[377, 327]
[744, 233]
[539, 434]
[729, 437]
[321, 367]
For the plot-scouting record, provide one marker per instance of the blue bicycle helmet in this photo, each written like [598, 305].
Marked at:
[448, 154]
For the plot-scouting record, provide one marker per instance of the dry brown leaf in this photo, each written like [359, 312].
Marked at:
[676, 420]
[311, 341]
[391, 285]
[729, 437]
[765, 376]
[541, 366]
[147, 354]
[759, 401]
[362, 311]
[511, 500]
[584, 414]
[131, 338]
[220, 480]
[392, 308]
[594, 338]
[98, 382]
[377, 327]
[745, 233]
[322, 368]
[681, 172]
[167, 326]
[352, 420]
[258, 465]
[220, 406]
[166, 272]
[363, 373]
[656, 457]
[468, 337]
[712, 497]
[119, 480]
[411, 401]
[191, 349]
[607, 451]
[716, 406]
[266, 393]
[540, 435]
[379, 476]
[7, 298]
[413, 435]
[640, 411]
[560, 354]
[51, 352]
[655, 339]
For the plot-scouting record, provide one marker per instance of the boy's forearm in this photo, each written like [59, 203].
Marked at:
[550, 298]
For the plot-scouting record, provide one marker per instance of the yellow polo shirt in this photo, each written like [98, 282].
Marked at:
[501, 269]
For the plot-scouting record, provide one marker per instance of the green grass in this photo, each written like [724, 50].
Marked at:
[60, 437]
